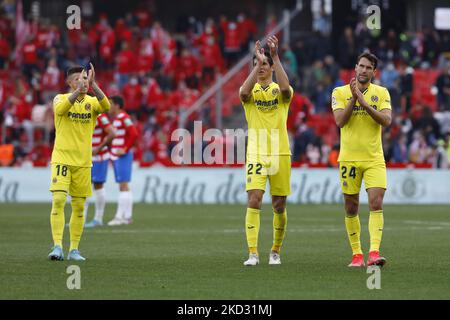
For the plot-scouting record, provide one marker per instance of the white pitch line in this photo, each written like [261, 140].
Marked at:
[433, 223]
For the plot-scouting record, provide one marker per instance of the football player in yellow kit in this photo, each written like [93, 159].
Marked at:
[266, 106]
[75, 118]
[361, 109]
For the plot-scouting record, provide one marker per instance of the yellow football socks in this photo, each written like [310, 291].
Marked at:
[279, 230]
[353, 227]
[57, 219]
[76, 222]
[376, 223]
[252, 222]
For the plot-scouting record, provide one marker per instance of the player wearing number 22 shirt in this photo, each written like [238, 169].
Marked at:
[75, 119]
[266, 106]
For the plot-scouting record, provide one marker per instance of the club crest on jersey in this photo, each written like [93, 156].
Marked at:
[275, 91]
[345, 184]
[249, 180]
[374, 99]
[88, 107]
[54, 180]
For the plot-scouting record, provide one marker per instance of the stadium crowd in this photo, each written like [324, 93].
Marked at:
[160, 72]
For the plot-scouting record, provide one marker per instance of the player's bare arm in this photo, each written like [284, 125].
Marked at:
[383, 117]
[93, 84]
[110, 135]
[282, 78]
[81, 86]
[342, 116]
[104, 103]
[250, 82]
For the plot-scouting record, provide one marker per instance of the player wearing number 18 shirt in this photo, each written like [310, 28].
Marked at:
[75, 117]
[361, 109]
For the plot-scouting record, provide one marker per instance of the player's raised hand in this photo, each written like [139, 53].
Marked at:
[91, 74]
[82, 83]
[273, 46]
[259, 53]
[354, 88]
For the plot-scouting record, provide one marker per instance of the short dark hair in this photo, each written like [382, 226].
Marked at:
[369, 56]
[117, 100]
[268, 56]
[72, 70]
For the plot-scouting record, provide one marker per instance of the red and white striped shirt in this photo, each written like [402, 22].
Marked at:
[126, 134]
[99, 136]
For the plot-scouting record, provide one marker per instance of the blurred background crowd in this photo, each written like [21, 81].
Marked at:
[162, 67]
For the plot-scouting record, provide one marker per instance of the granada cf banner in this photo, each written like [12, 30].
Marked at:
[227, 186]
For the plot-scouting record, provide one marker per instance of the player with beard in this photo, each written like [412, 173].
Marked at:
[361, 110]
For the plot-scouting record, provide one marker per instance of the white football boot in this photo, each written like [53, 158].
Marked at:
[253, 260]
[116, 222]
[274, 258]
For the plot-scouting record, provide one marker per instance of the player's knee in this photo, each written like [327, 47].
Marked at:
[78, 205]
[279, 206]
[376, 203]
[123, 187]
[98, 186]
[351, 208]
[254, 201]
[59, 200]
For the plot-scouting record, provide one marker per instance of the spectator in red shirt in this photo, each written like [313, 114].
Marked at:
[247, 28]
[40, 154]
[210, 59]
[126, 61]
[146, 55]
[153, 95]
[30, 58]
[132, 94]
[121, 30]
[232, 42]
[188, 69]
[106, 50]
[51, 82]
[299, 111]
[143, 16]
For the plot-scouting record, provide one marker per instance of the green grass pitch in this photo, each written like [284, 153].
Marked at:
[196, 252]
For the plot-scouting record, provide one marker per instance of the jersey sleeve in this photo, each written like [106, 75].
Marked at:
[103, 121]
[132, 134]
[337, 102]
[385, 100]
[101, 106]
[61, 104]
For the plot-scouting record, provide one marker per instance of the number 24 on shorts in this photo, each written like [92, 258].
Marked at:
[352, 172]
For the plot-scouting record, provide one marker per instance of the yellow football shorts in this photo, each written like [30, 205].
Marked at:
[276, 169]
[352, 173]
[74, 180]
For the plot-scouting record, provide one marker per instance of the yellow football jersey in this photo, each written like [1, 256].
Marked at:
[74, 129]
[266, 112]
[361, 135]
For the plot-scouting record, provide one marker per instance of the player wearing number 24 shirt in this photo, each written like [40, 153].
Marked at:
[361, 109]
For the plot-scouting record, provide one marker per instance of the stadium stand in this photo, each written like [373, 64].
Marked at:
[160, 72]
